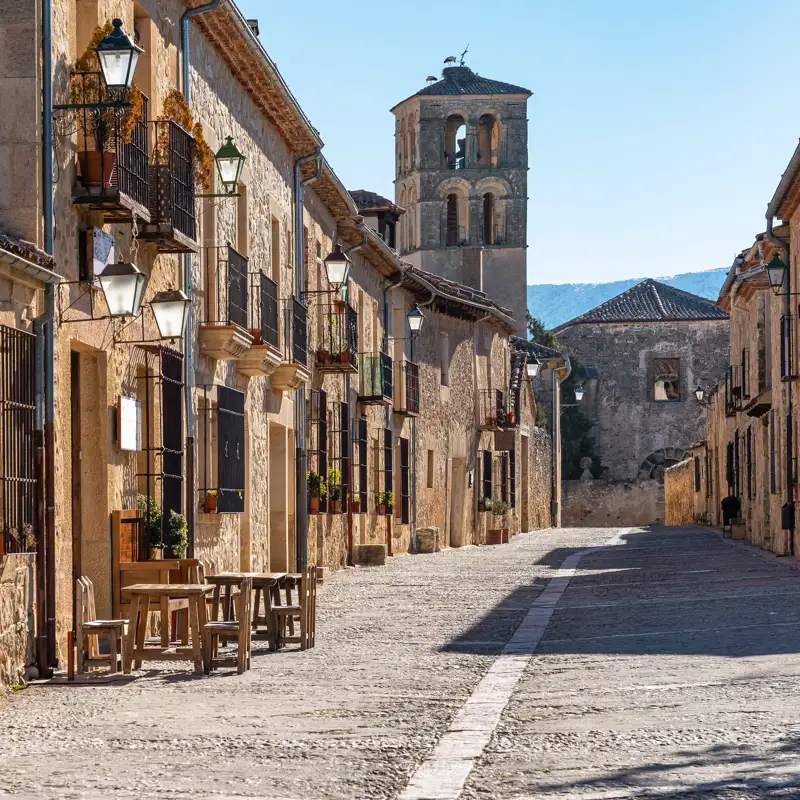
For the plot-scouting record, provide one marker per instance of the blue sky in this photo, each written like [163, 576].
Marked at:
[658, 130]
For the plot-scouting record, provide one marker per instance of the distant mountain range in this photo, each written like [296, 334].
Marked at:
[554, 303]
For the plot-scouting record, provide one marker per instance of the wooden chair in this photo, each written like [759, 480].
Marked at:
[90, 630]
[304, 611]
[238, 628]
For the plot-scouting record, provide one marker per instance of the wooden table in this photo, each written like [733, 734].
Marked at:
[266, 583]
[142, 595]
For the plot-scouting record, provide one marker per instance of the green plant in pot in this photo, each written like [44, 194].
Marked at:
[499, 533]
[335, 490]
[482, 501]
[316, 490]
[177, 535]
[151, 527]
[385, 502]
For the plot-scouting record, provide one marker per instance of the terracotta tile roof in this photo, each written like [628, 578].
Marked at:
[651, 301]
[372, 201]
[26, 250]
[533, 348]
[462, 80]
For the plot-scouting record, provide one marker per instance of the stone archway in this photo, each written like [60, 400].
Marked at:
[652, 468]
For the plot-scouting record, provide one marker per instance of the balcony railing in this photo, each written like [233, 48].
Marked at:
[375, 373]
[173, 225]
[733, 390]
[507, 409]
[337, 347]
[407, 388]
[226, 287]
[788, 366]
[492, 411]
[113, 173]
[295, 332]
[264, 309]
[454, 161]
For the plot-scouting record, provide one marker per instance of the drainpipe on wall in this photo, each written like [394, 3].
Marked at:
[787, 514]
[46, 546]
[300, 485]
[188, 367]
[555, 444]
[354, 249]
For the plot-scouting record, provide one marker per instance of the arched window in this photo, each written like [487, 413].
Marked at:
[452, 219]
[413, 149]
[402, 233]
[488, 141]
[489, 225]
[411, 219]
[455, 142]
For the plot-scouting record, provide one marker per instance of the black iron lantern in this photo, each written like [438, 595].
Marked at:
[171, 309]
[699, 394]
[776, 272]
[123, 287]
[579, 393]
[230, 163]
[532, 367]
[337, 266]
[415, 319]
[118, 56]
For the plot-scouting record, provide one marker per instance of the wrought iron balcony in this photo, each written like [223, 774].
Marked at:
[293, 372]
[507, 416]
[375, 374]
[173, 225]
[223, 331]
[264, 357]
[406, 388]
[113, 153]
[492, 410]
[733, 390]
[788, 366]
[337, 347]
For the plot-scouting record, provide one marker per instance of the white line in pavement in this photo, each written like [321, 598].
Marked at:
[443, 774]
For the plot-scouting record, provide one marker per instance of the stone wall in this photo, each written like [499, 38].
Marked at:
[679, 493]
[612, 503]
[17, 615]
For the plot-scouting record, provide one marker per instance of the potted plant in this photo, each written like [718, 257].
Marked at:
[210, 502]
[151, 527]
[323, 356]
[385, 501]
[177, 535]
[105, 125]
[335, 490]
[316, 489]
[482, 503]
[355, 505]
[498, 534]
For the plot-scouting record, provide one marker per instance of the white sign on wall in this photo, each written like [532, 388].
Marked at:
[129, 423]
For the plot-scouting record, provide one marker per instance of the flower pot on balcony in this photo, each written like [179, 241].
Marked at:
[336, 506]
[96, 168]
[381, 509]
[344, 357]
[323, 357]
[256, 334]
[510, 417]
[210, 504]
[313, 505]
[355, 506]
[481, 506]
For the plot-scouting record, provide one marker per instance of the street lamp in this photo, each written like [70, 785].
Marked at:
[118, 56]
[699, 394]
[230, 163]
[123, 287]
[337, 266]
[415, 319]
[776, 272]
[532, 368]
[579, 393]
[171, 309]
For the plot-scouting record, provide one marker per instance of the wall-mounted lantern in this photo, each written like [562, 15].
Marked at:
[123, 287]
[776, 272]
[337, 267]
[579, 393]
[170, 309]
[230, 163]
[118, 56]
[532, 367]
[415, 319]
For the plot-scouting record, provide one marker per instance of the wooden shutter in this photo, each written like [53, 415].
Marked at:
[322, 445]
[487, 474]
[387, 460]
[512, 475]
[749, 458]
[405, 491]
[230, 450]
[171, 432]
[362, 463]
[504, 477]
[697, 473]
[344, 450]
[773, 488]
[729, 465]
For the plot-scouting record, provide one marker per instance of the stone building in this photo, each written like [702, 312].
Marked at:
[278, 373]
[642, 352]
[461, 158]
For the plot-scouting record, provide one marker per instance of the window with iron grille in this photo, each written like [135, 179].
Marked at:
[362, 463]
[512, 477]
[787, 347]
[405, 483]
[318, 441]
[745, 373]
[264, 307]
[339, 455]
[729, 466]
[709, 473]
[749, 454]
[171, 378]
[772, 474]
[697, 480]
[737, 461]
[487, 473]
[18, 479]
[504, 477]
[388, 461]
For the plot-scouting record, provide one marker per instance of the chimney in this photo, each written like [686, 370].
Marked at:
[253, 23]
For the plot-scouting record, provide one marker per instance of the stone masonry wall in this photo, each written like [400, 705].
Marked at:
[17, 614]
[612, 503]
[679, 493]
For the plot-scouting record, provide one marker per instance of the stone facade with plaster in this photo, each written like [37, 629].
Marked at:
[608, 503]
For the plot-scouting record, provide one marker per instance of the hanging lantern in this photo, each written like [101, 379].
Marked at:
[123, 287]
[699, 394]
[776, 272]
[171, 310]
[230, 163]
[415, 318]
[118, 56]
[337, 266]
[532, 367]
[579, 393]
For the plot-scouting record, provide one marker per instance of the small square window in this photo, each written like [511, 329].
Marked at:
[667, 379]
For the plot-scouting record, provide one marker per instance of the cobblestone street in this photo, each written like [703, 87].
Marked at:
[668, 667]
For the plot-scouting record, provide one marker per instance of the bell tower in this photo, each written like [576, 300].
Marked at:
[461, 173]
